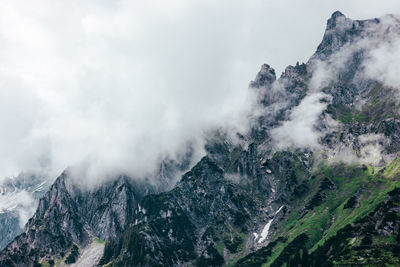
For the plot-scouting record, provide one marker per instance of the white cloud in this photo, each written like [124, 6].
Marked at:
[369, 150]
[384, 53]
[122, 83]
[299, 130]
[21, 202]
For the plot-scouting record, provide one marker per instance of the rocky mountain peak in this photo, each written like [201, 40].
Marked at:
[292, 72]
[266, 76]
[336, 20]
[339, 31]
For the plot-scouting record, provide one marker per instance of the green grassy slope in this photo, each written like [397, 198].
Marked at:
[340, 195]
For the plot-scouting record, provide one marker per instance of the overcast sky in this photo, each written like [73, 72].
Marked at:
[122, 83]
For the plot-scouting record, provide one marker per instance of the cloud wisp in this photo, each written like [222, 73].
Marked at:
[377, 47]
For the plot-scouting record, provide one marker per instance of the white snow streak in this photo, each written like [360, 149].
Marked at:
[265, 231]
[279, 210]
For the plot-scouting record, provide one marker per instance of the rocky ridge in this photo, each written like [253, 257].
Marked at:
[253, 202]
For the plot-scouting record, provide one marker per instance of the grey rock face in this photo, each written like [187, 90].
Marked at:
[341, 30]
[10, 228]
[265, 77]
[184, 225]
[66, 216]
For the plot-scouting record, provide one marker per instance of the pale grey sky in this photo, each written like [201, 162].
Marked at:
[122, 83]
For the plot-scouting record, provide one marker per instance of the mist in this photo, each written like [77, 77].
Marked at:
[20, 202]
[119, 85]
[308, 123]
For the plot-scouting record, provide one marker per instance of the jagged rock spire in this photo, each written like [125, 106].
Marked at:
[265, 76]
[333, 21]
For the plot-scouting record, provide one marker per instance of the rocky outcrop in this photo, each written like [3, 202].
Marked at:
[188, 223]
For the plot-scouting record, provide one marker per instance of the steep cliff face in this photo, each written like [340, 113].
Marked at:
[66, 217]
[70, 217]
[313, 183]
[202, 220]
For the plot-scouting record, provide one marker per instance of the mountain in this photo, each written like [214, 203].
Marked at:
[315, 181]
[19, 197]
[68, 217]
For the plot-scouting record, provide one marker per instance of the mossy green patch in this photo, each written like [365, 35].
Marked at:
[99, 241]
[381, 105]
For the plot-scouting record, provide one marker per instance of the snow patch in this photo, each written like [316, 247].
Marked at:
[255, 236]
[165, 214]
[279, 209]
[265, 231]
[141, 209]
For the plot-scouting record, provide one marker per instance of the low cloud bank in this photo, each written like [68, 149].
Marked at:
[117, 86]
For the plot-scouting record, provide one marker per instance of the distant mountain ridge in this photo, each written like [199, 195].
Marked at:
[19, 197]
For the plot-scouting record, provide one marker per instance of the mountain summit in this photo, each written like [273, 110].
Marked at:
[315, 182]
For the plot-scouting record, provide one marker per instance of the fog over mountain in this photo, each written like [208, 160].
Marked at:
[117, 86]
[171, 134]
